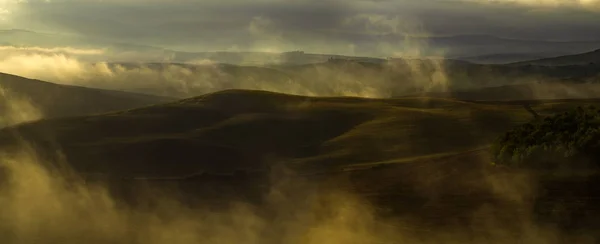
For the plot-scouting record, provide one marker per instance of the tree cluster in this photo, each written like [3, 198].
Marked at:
[569, 139]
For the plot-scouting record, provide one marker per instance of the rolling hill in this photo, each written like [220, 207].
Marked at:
[421, 158]
[238, 129]
[588, 58]
[527, 91]
[506, 58]
[54, 100]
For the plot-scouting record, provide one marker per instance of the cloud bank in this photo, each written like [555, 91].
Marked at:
[223, 25]
[55, 50]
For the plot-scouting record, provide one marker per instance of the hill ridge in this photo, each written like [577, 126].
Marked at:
[59, 100]
[585, 58]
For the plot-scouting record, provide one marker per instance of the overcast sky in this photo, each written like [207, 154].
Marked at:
[240, 24]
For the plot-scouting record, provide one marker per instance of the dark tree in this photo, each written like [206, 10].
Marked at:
[569, 139]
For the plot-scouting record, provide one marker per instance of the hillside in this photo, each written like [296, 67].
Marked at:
[528, 91]
[54, 100]
[587, 58]
[506, 58]
[420, 158]
[237, 129]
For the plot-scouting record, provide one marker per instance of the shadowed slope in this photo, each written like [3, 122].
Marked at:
[592, 57]
[238, 129]
[531, 91]
[248, 130]
[55, 100]
[423, 158]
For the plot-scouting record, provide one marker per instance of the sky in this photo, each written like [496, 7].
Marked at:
[201, 25]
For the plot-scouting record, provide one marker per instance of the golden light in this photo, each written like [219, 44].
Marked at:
[5, 9]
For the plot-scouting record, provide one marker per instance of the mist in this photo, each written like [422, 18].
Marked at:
[407, 72]
[408, 65]
[413, 66]
[43, 204]
[431, 199]
[45, 201]
[16, 108]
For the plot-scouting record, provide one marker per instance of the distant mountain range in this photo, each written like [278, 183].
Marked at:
[506, 58]
[481, 48]
[395, 77]
[588, 58]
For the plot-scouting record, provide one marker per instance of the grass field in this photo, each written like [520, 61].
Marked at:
[238, 129]
[421, 158]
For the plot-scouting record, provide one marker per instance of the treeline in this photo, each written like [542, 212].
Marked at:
[570, 139]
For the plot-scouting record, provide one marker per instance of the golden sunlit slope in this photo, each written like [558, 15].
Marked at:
[54, 100]
[238, 129]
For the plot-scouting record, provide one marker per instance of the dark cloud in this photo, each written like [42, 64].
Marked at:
[225, 24]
